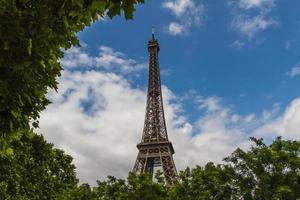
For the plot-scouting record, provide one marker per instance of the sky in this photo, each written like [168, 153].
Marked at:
[229, 70]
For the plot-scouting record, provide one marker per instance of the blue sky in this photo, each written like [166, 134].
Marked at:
[251, 77]
[230, 70]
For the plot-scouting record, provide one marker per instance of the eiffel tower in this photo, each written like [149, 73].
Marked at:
[155, 149]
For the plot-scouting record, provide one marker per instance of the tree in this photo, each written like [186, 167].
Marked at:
[136, 187]
[83, 192]
[142, 187]
[267, 172]
[112, 189]
[209, 182]
[33, 35]
[263, 172]
[35, 171]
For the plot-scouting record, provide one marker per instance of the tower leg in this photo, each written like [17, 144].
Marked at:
[169, 169]
[139, 165]
[154, 157]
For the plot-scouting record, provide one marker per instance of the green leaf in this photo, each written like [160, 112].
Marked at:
[14, 114]
[9, 151]
[114, 9]
[65, 21]
[29, 46]
[42, 63]
[99, 5]
[35, 124]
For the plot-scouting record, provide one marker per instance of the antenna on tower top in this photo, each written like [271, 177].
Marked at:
[153, 31]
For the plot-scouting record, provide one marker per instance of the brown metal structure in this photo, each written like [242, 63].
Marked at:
[155, 149]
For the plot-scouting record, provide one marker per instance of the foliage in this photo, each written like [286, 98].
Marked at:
[137, 187]
[33, 34]
[35, 170]
[267, 172]
[38, 171]
[209, 182]
[264, 172]
[83, 192]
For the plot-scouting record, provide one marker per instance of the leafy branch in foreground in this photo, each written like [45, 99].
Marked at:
[33, 34]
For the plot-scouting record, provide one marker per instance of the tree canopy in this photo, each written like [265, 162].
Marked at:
[36, 170]
[266, 172]
[263, 172]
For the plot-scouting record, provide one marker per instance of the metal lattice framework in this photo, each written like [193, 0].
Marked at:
[155, 150]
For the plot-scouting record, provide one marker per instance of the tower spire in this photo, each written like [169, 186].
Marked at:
[153, 32]
[155, 149]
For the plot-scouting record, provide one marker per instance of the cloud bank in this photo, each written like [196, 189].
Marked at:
[97, 117]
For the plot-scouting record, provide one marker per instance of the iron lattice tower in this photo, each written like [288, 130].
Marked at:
[155, 149]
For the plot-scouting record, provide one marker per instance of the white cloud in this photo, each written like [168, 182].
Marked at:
[287, 125]
[75, 57]
[101, 135]
[176, 29]
[97, 116]
[237, 44]
[251, 17]
[260, 4]
[270, 114]
[107, 59]
[249, 118]
[251, 26]
[295, 71]
[188, 13]
[178, 7]
[211, 104]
